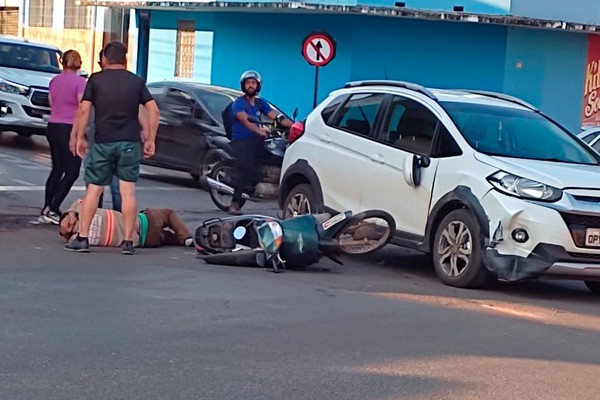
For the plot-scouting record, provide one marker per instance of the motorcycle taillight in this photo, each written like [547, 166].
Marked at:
[296, 131]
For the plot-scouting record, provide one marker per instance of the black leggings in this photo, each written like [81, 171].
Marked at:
[65, 166]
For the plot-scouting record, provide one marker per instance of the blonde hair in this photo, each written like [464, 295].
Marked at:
[71, 60]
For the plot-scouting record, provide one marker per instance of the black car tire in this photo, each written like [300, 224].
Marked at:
[211, 159]
[593, 286]
[223, 201]
[467, 244]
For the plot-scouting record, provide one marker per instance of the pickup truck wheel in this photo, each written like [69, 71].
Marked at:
[458, 251]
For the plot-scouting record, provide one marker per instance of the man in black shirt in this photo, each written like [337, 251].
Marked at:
[116, 95]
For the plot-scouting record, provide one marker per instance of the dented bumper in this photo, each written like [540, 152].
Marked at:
[552, 248]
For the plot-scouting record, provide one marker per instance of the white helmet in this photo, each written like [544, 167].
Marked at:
[251, 74]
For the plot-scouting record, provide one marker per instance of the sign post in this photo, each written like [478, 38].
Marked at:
[318, 49]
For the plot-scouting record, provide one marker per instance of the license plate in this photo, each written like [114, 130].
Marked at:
[592, 237]
[337, 218]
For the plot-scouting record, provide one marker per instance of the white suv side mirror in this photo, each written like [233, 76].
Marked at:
[411, 169]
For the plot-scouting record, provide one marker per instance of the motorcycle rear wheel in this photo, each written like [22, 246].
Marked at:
[223, 172]
[366, 232]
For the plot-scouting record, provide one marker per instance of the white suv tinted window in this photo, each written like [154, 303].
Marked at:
[409, 126]
[359, 113]
[332, 107]
[508, 132]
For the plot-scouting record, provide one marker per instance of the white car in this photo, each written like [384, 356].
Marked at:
[589, 134]
[26, 69]
[484, 182]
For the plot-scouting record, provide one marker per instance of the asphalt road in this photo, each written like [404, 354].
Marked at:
[164, 325]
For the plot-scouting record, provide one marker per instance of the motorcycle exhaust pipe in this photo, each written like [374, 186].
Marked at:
[223, 188]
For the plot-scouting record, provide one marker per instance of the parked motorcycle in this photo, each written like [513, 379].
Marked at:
[222, 177]
[258, 240]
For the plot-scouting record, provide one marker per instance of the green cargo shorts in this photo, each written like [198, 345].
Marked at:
[121, 159]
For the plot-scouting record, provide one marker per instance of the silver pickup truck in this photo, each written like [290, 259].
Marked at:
[26, 69]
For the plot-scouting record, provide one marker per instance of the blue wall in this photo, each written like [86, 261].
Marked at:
[442, 54]
[543, 67]
[434, 54]
[547, 68]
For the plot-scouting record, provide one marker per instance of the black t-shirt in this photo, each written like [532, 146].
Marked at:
[116, 95]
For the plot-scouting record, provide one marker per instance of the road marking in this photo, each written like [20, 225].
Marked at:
[22, 182]
[146, 172]
[82, 188]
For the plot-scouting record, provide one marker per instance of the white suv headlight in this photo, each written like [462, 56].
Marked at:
[12, 87]
[524, 188]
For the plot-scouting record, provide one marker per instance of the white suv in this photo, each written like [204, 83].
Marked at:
[26, 69]
[486, 183]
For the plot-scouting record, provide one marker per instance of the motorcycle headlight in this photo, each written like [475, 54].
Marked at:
[524, 188]
[12, 87]
[270, 236]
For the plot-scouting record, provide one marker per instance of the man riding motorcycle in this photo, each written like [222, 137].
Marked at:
[247, 136]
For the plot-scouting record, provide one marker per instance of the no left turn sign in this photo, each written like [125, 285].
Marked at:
[318, 49]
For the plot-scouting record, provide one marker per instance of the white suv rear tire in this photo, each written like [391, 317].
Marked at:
[300, 200]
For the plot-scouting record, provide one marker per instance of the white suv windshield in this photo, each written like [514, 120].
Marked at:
[509, 132]
[23, 56]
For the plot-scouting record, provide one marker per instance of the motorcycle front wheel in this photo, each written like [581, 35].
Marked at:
[223, 172]
[365, 232]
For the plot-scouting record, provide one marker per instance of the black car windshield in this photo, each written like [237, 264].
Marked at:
[217, 101]
[23, 56]
[510, 132]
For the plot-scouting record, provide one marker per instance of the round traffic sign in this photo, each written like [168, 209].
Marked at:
[318, 49]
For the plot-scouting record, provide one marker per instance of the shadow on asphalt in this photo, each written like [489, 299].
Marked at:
[403, 264]
[9, 139]
[170, 179]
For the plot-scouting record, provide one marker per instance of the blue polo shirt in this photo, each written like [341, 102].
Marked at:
[260, 107]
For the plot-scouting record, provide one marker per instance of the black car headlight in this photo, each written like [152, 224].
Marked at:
[524, 188]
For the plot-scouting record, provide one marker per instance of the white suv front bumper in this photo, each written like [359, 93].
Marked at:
[555, 247]
[26, 114]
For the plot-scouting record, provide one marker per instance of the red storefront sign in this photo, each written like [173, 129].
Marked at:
[591, 91]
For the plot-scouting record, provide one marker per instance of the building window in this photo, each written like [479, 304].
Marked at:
[77, 16]
[40, 13]
[186, 46]
[9, 21]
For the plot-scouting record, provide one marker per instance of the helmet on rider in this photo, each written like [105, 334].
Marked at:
[250, 74]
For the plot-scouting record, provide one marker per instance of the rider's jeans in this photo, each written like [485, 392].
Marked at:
[246, 153]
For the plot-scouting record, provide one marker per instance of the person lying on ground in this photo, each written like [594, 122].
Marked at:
[154, 227]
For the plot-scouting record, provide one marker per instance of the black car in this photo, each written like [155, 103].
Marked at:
[189, 112]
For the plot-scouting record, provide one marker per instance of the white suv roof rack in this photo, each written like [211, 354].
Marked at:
[502, 96]
[401, 84]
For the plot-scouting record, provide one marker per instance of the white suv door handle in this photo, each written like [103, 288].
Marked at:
[325, 138]
[377, 158]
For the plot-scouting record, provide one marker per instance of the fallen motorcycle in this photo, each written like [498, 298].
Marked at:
[263, 241]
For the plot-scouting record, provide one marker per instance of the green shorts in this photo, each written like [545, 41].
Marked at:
[121, 159]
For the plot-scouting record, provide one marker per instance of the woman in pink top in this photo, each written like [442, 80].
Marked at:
[66, 91]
